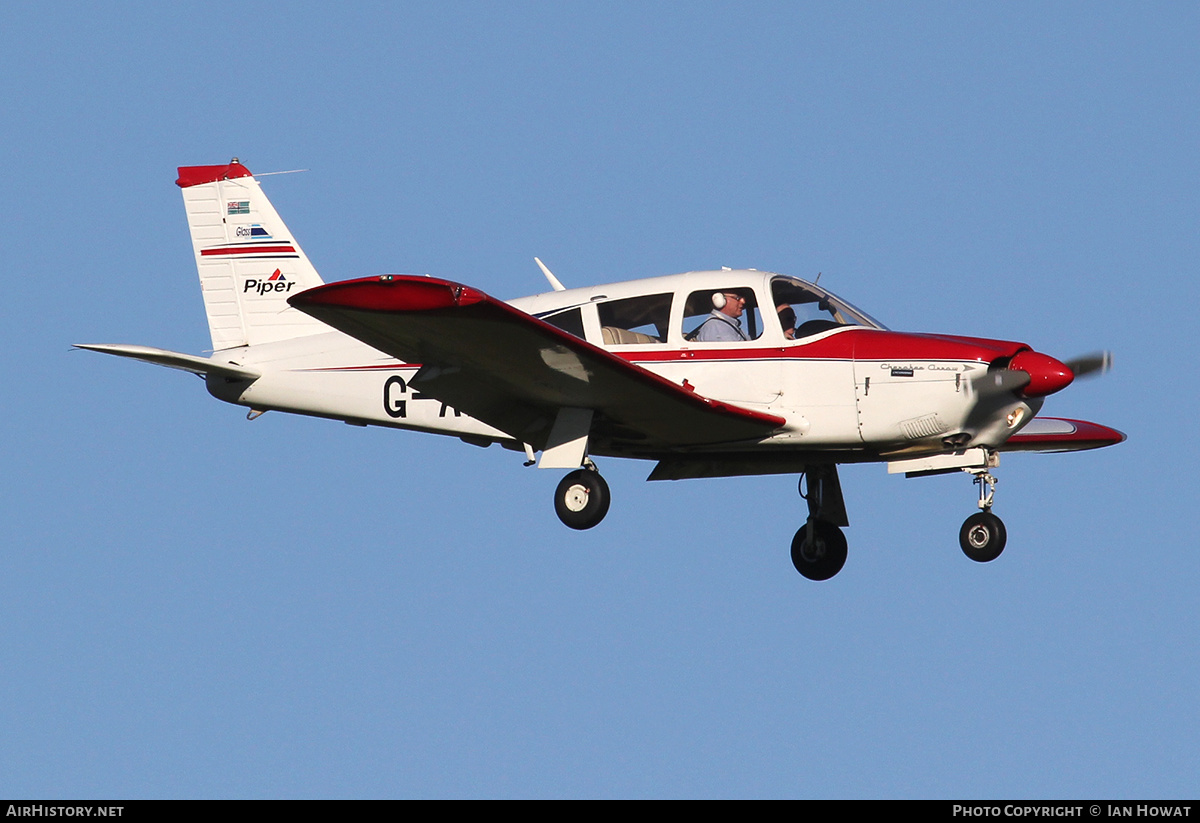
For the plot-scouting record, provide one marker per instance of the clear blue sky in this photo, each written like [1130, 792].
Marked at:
[196, 605]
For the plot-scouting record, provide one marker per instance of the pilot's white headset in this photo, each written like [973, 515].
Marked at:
[718, 300]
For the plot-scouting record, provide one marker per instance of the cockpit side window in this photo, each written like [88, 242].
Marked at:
[804, 309]
[635, 320]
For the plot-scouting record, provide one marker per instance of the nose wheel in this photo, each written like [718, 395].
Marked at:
[581, 499]
[982, 536]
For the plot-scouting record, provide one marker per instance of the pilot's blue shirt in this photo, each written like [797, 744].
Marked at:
[720, 328]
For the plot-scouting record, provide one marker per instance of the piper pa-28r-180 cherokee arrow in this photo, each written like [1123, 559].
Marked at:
[711, 374]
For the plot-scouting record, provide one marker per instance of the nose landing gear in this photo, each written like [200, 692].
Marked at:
[982, 536]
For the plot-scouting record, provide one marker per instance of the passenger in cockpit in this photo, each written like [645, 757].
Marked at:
[787, 319]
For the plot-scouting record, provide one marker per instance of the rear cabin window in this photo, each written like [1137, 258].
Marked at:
[635, 320]
[700, 307]
[569, 320]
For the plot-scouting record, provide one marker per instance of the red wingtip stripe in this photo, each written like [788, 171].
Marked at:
[1079, 434]
[199, 175]
[400, 293]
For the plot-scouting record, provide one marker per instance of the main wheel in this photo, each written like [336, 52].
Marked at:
[824, 555]
[581, 499]
[982, 537]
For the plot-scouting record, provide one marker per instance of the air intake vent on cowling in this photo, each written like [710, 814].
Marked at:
[919, 427]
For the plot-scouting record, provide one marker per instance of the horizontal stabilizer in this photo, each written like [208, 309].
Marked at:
[174, 360]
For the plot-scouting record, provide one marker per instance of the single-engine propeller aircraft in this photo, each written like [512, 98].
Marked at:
[710, 373]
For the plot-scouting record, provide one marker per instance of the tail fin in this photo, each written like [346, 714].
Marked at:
[248, 263]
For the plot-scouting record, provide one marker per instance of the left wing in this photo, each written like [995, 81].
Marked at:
[515, 372]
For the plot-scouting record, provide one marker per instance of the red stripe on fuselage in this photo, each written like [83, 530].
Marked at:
[381, 367]
[851, 344]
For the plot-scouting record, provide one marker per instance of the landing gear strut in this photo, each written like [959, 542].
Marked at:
[982, 536]
[819, 547]
[581, 499]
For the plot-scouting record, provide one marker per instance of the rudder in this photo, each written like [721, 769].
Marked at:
[247, 260]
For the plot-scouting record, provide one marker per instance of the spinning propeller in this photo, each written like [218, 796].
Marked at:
[1096, 363]
[1033, 374]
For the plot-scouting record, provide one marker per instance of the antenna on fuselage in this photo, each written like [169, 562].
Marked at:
[557, 286]
[818, 280]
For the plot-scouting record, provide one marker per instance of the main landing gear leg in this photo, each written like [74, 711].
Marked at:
[581, 499]
[819, 547]
[982, 535]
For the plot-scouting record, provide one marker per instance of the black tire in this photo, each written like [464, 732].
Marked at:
[824, 556]
[581, 499]
[982, 537]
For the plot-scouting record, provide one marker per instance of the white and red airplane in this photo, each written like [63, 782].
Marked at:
[710, 374]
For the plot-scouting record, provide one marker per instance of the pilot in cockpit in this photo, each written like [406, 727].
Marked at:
[724, 323]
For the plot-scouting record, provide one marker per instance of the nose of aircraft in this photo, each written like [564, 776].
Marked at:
[1046, 375]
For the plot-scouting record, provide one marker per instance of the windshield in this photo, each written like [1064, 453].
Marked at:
[805, 309]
